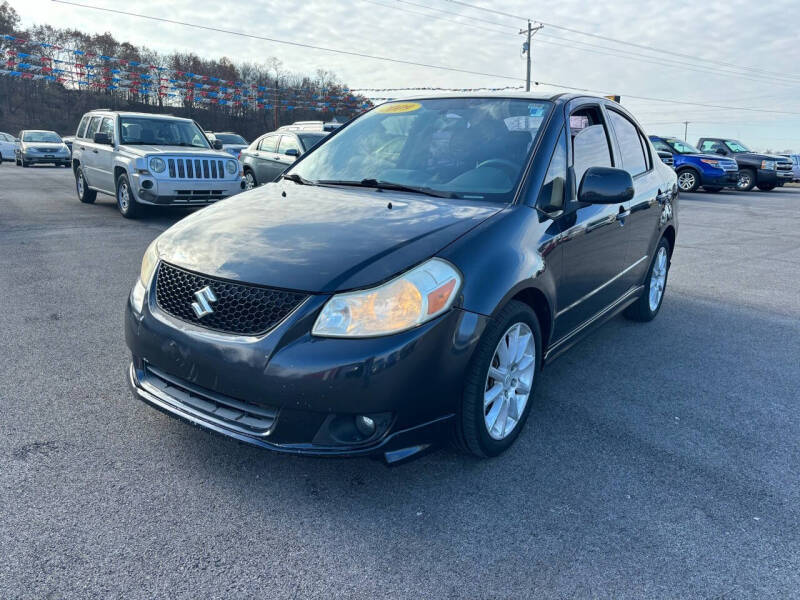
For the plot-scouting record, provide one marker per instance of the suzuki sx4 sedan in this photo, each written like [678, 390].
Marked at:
[405, 281]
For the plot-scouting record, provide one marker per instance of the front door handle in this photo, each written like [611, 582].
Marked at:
[622, 215]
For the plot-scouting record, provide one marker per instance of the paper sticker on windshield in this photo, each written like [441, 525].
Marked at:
[399, 107]
[535, 110]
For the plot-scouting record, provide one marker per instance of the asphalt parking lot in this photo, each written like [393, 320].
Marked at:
[660, 460]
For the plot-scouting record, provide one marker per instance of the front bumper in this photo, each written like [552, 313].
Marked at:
[151, 190]
[39, 159]
[410, 382]
[720, 179]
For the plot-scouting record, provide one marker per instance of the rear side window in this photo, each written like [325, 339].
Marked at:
[82, 127]
[94, 126]
[630, 144]
[551, 196]
[269, 143]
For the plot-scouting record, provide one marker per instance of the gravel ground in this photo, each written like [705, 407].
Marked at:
[660, 460]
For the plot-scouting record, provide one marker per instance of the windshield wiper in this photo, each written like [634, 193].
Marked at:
[297, 179]
[388, 185]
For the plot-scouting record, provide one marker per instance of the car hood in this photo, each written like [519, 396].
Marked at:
[757, 156]
[142, 150]
[317, 238]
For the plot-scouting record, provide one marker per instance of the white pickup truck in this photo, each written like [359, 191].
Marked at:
[152, 159]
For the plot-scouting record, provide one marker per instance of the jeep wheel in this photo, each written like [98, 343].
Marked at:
[128, 207]
[746, 181]
[688, 181]
[85, 195]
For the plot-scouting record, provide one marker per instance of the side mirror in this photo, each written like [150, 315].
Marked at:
[216, 144]
[102, 138]
[292, 152]
[604, 185]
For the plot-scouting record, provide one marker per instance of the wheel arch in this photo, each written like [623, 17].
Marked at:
[670, 233]
[537, 300]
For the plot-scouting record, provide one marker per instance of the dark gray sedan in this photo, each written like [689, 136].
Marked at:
[271, 154]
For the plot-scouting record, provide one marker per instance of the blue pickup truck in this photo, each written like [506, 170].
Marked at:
[695, 169]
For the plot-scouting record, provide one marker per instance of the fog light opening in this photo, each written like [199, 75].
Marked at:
[365, 425]
[147, 184]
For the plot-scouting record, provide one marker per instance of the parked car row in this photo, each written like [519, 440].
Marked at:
[719, 163]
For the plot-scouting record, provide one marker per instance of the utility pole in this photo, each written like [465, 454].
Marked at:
[686, 131]
[526, 49]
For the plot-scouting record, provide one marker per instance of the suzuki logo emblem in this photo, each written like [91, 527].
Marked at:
[205, 298]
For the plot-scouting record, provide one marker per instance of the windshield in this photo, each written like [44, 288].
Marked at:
[736, 146]
[41, 136]
[230, 138]
[681, 147]
[160, 132]
[459, 147]
[310, 140]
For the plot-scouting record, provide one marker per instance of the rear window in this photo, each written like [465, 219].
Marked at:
[309, 140]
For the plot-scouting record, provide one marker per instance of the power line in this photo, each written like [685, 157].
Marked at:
[407, 62]
[618, 41]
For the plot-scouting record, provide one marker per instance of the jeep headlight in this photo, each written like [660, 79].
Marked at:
[231, 167]
[157, 165]
[768, 165]
[406, 301]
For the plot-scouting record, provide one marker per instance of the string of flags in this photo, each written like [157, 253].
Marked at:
[87, 70]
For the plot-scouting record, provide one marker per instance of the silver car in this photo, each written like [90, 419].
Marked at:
[150, 159]
[273, 153]
[8, 146]
[38, 146]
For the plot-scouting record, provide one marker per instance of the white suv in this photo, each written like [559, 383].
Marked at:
[150, 159]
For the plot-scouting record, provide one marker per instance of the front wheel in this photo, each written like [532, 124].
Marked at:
[500, 381]
[249, 180]
[128, 207]
[746, 181]
[688, 181]
[649, 303]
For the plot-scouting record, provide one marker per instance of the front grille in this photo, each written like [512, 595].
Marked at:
[239, 308]
[784, 166]
[196, 168]
[46, 150]
[729, 166]
[235, 414]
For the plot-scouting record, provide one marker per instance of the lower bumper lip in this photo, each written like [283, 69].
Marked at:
[394, 448]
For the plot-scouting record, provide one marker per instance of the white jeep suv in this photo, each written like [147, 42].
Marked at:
[150, 159]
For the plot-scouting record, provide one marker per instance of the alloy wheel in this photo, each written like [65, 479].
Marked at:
[123, 197]
[250, 181]
[658, 278]
[744, 181]
[686, 181]
[509, 381]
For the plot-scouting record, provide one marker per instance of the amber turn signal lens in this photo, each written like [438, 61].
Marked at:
[437, 299]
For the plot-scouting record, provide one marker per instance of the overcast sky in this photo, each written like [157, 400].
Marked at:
[751, 35]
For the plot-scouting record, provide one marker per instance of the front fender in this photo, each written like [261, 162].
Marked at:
[504, 257]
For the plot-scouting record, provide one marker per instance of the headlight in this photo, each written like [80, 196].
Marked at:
[157, 165]
[768, 165]
[231, 166]
[149, 262]
[709, 161]
[411, 299]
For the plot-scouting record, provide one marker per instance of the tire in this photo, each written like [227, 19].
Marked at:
[250, 180]
[85, 195]
[647, 306]
[25, 164]
[688, 180]
[766, 187]
[473, 432]
[712, 189]
[746, 181]
[126, 203]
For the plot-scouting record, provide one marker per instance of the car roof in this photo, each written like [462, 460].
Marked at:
[124, 113]
[506, 94]
[38, 131]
